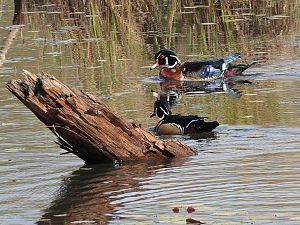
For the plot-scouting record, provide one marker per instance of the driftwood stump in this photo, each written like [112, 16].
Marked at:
[87, 127]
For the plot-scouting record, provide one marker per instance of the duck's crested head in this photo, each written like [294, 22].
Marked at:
[161, 107]
[165, 52]
[165, 57]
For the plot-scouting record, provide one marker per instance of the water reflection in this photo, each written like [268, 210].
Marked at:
[222, 86]
[90, 41]
[248, 172]
[17, 23]
[88, 193]
[250, 183]
[112, 32]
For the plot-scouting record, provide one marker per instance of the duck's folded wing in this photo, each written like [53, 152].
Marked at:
[195, 66]
[192, 123]
[221, 64]
[184, 121]
[201, 126]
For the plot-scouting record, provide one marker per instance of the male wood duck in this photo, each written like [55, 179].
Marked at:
[203, 70]
[177, 124]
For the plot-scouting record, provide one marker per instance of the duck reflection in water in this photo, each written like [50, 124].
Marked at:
[200, 87]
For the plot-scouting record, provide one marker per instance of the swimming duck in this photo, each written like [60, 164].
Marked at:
[176, 124]
[203, 70]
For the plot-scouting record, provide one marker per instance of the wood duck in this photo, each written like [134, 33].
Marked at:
[176, 124]
[203, 70]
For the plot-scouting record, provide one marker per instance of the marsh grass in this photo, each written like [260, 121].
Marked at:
[126, 29]
[106, 46]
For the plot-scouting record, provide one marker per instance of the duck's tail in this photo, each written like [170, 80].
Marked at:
[207, 126]
[237, 69]
[242, 66]
[230, 59]
[201, 126]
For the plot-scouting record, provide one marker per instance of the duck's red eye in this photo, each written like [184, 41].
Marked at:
[161, 56]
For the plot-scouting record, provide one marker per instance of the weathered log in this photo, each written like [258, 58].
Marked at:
[87, 127]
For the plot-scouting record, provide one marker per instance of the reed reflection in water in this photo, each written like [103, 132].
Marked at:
[247, 172]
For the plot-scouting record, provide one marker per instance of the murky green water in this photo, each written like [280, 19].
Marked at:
[247, 173]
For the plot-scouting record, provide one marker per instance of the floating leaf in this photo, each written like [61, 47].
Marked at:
[190, 209]
[208, 24]
[175, 210]
[295, 218]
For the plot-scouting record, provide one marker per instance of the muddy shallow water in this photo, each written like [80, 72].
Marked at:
[247, 172]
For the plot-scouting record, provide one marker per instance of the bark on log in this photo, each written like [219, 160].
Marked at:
[87, 127]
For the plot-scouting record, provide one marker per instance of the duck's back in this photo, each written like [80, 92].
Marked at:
[177, 124]
[196, 66]
[208, 68]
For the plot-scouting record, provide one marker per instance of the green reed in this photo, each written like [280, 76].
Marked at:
[123, 32]
[138, 27]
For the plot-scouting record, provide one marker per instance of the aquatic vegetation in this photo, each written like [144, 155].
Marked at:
[112, 30]
[106, 48]
[108, 45]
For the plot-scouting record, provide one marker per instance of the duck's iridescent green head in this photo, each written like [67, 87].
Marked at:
[165, 58]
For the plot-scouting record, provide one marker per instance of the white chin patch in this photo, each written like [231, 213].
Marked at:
[172, 66]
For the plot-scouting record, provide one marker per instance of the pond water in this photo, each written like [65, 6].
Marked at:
[247, 172]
